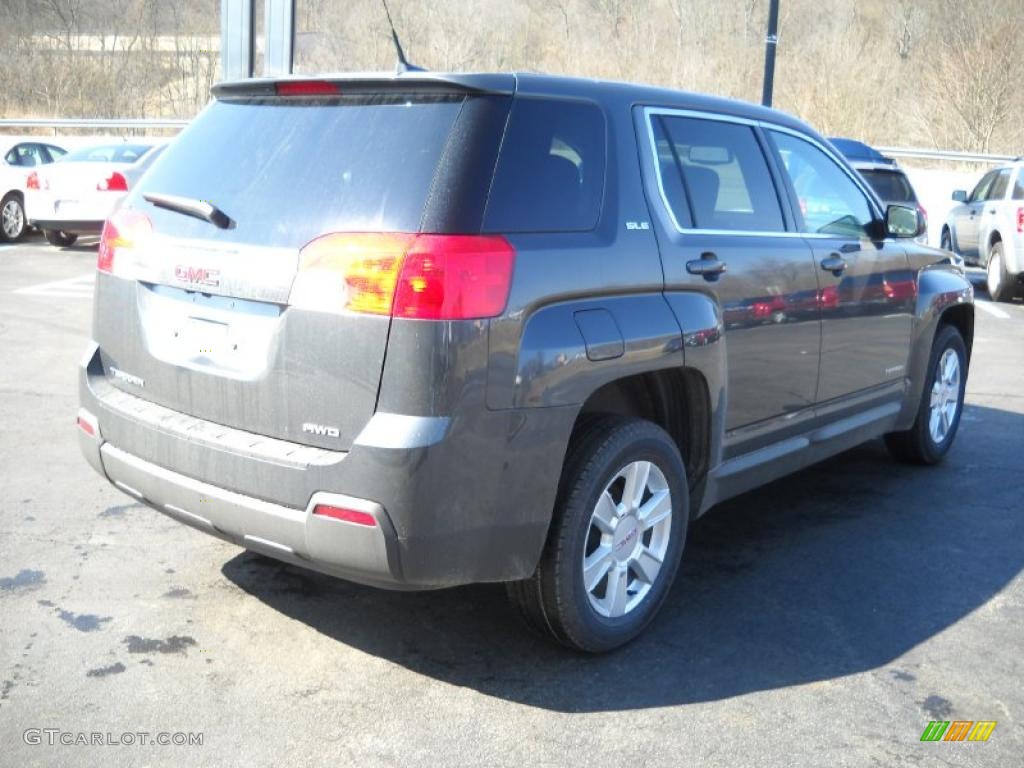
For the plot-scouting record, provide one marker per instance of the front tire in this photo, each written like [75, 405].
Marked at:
[59, 238]
[1000, 286]
[12, 218]
[947, 241]
[942, 402]
[616, 536]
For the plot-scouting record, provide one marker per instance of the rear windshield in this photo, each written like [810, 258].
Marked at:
[110, 153]
[287, 171]
[890, 186]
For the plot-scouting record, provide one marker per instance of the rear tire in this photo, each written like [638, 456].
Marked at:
[1000, 285]
[616, 536]
[12, 218]
[59, 238]
[942, 403]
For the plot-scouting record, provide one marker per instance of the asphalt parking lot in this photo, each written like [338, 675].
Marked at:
[822, 620]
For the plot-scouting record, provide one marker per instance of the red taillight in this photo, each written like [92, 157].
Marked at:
[121, 232]
[115, 182]
[347, 515]
[427, 277]
[86, 427]
[1020, 219]
[32, 182]
[450, 277]
[306, 88]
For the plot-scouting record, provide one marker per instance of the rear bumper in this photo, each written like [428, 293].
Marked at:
[73, 226]
[455, 501]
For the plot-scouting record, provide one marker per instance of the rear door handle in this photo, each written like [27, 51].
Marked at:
[708, 266]
[834, 263]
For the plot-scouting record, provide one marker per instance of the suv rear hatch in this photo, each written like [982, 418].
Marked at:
[231, 318]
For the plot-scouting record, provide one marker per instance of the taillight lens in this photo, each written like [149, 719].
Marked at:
[1020, 219]
[347, 515]
[115, 182]
[32, 182]
[122, 232]
[426, 277]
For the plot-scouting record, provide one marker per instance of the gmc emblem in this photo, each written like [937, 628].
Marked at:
[197, 275]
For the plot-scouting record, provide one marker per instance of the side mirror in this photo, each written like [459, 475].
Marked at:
[902, 221]
[960, 195]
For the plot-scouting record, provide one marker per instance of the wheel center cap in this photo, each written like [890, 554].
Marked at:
[624, 540]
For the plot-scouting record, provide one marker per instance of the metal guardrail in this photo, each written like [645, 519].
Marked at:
[946, 154]
[158, 123]
[101, 124]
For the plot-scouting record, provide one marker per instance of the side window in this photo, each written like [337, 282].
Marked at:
[717, 171]
[55, 153]
[1018, 187]
[998, 189]
[830, 202]
[980, 190]
[550, 172]
[24, 155]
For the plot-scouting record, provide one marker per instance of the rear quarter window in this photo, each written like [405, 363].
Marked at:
[551, 169]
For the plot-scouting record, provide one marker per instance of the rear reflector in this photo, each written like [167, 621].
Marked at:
[86, 427]
[115, 182]
[426, 277]
[122, 232]
[306, 88]
[347, 515]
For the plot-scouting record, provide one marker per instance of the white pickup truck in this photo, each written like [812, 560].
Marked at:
[987, 229]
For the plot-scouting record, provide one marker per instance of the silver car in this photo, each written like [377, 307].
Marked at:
[987, 229]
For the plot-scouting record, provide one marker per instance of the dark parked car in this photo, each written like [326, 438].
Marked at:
[426, 330]
[883, 175]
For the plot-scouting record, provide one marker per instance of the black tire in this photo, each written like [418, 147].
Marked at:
[917, 445]
[555, 601]
[947, 241]
[999, 282]
[59, 238]
[12, 218]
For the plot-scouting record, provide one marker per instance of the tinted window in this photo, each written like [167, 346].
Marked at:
[25, 155]
[1018, 187]
[723, 172]
[54, 152]
[999, 185]
[550, 173]
[830, 201]
[288, 171]
[980, 191]
[108, 153]
[890, 186]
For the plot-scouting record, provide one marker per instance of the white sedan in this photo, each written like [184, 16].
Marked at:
[18, 156]
[75, 195]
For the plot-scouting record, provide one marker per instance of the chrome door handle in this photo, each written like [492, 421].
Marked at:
[834, 263]
[707, 266]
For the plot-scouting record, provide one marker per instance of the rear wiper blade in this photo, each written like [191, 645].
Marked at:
[200, 209]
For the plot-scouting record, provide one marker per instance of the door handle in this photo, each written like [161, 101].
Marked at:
[834, 263]
[707, 266]
[991, 210]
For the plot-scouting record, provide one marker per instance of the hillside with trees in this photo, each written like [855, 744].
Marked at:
[936, 73]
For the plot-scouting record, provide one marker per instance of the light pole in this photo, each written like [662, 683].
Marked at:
[771, 42]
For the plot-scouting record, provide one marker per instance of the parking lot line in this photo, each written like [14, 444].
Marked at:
[985, 306]
[72, 288]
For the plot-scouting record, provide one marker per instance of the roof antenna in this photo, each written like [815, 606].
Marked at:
[403, 63]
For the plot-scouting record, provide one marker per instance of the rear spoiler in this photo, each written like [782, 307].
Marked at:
[418, 82]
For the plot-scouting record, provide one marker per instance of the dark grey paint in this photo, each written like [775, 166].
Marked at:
[460, 444]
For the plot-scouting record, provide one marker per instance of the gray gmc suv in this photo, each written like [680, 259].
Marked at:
[426, 330]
